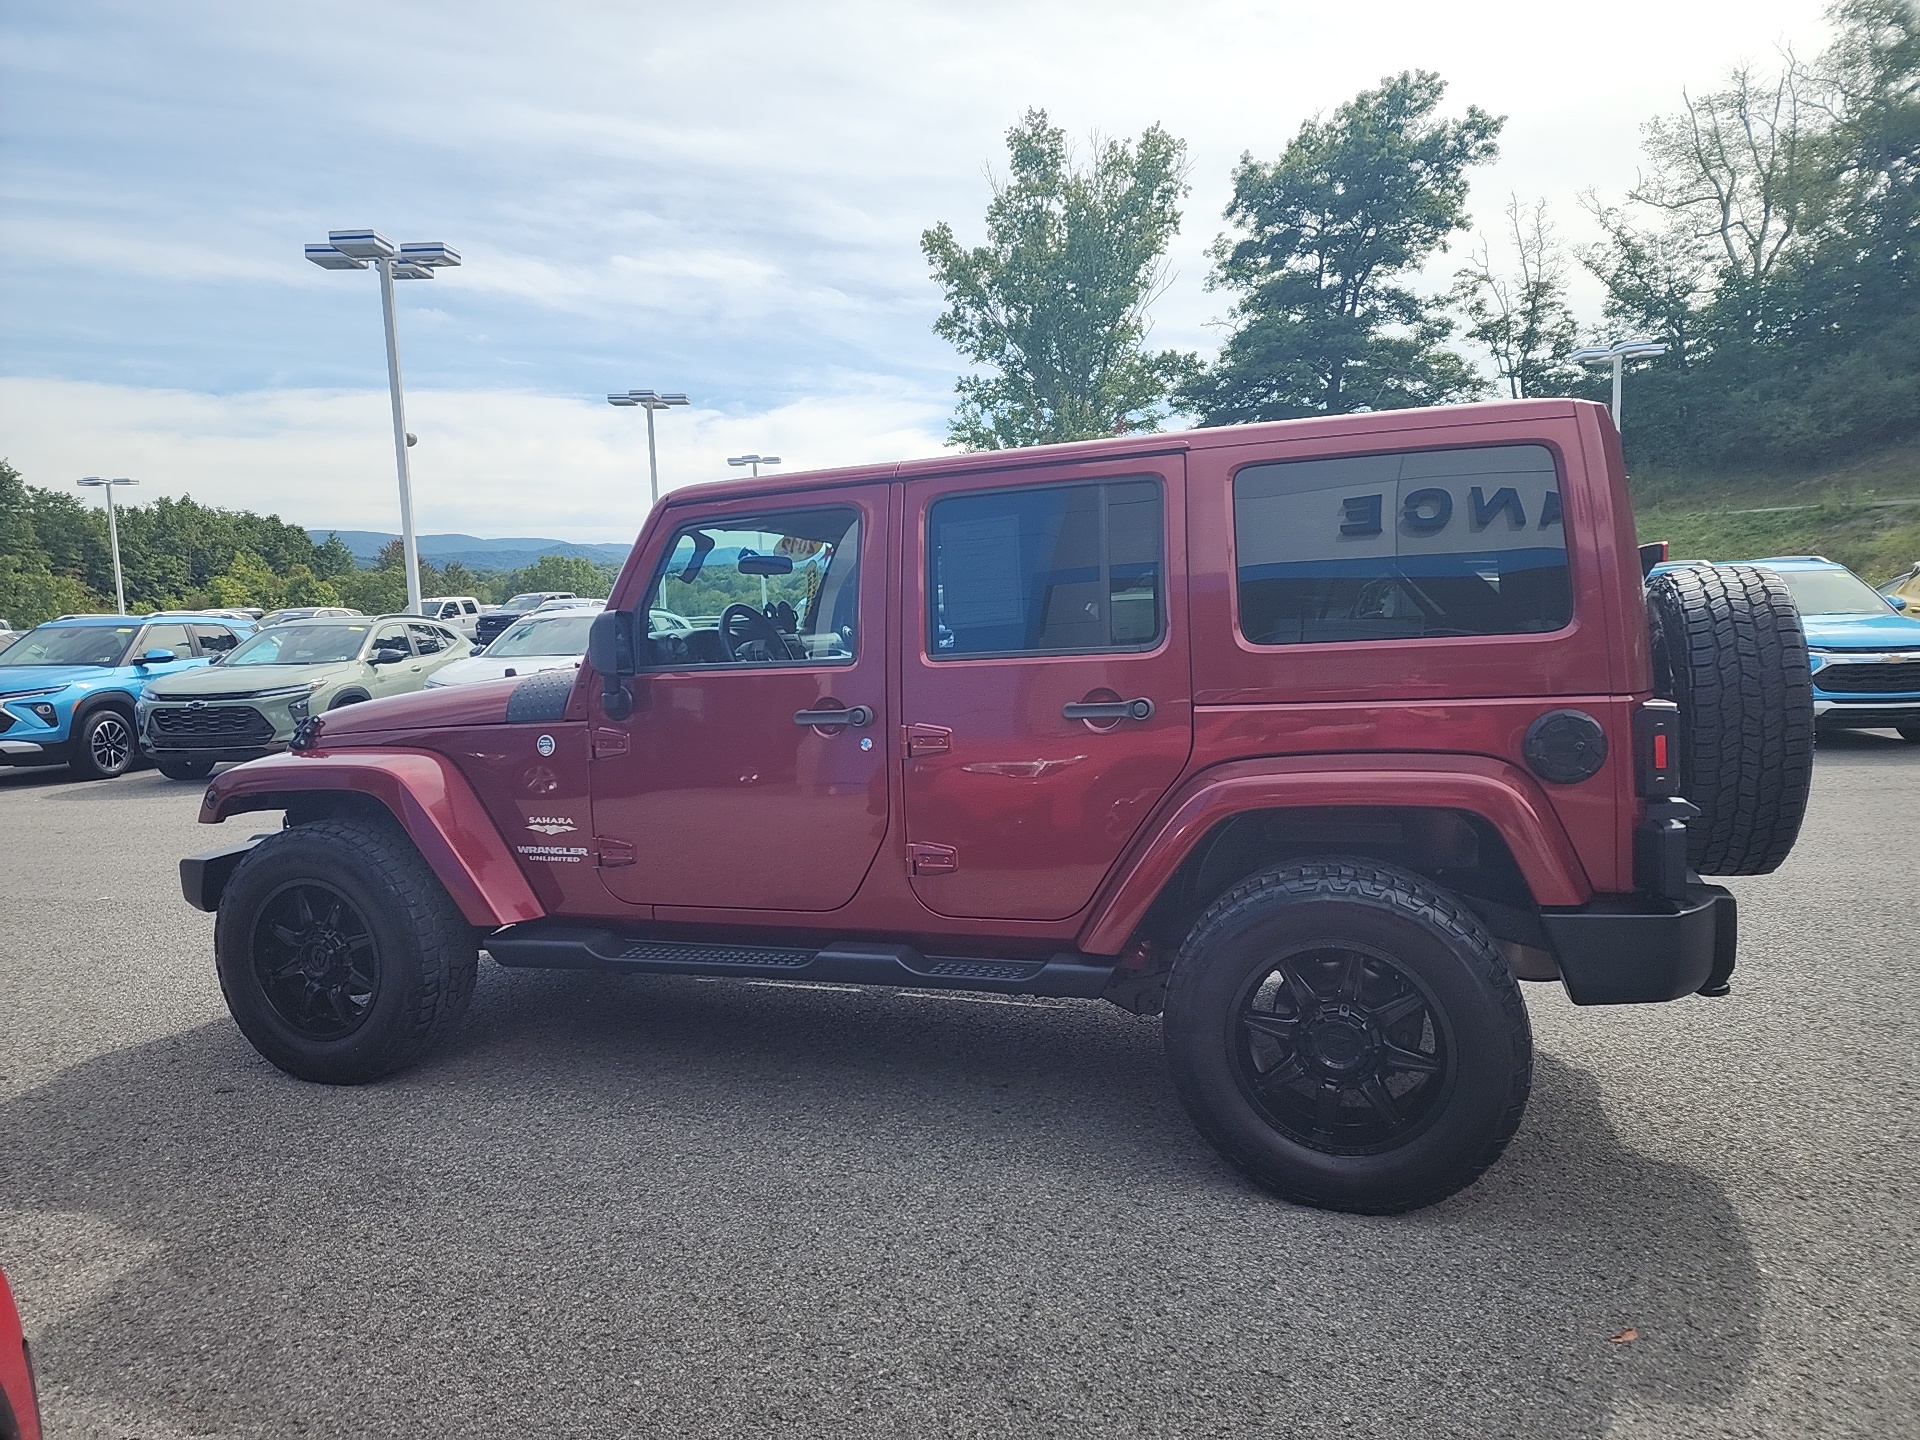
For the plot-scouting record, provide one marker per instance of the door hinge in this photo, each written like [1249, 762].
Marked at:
[933, 859]
[613, 853]
[609, 742]
[926, 740]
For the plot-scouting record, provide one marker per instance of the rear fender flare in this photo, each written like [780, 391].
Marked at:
[1501, 794]
[429, 797]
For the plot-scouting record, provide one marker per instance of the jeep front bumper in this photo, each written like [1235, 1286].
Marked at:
[1634, 949]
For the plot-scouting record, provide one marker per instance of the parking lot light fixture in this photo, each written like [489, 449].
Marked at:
[1617, 356]
[756, 461]
[356, 250]
[650, 401]
[105, 485]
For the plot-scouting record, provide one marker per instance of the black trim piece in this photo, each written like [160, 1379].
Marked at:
[556, 945]
[1632, 950]
[204, 877]
[540, 698]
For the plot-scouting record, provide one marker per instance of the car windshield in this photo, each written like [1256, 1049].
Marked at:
[1832, 592]
[527, 601]
[71, 645]
[301, 644]
[555, 635]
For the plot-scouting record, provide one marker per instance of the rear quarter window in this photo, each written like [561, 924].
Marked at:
[1393, 547]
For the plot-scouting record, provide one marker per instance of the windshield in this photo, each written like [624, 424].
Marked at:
[71, 645]
[527, 601]
[556, 635]
[301, 644]
[1832, 592]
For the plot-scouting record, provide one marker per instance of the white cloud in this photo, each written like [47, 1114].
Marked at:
[489, 462]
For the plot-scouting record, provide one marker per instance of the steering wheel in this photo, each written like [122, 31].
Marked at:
[758, 626]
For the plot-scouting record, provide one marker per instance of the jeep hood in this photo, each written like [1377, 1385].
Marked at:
[455, 707]
[217, 682]
[1890, 631]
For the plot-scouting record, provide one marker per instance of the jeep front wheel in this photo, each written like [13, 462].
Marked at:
[341, 956]
[1348, 1036]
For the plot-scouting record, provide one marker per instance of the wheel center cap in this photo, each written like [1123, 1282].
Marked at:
[1338, 1043]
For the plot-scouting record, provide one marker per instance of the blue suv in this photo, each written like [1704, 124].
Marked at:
[1864, 646]
[68, 687]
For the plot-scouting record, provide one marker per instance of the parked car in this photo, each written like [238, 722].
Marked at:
[8, 634]
[1314, 737]
[1905, 588]
[544, 640]
[308, 612]
[1864, 646]
[19, 1400]
[458, 612]
[251, 704]
[68, 688]
[488, 627]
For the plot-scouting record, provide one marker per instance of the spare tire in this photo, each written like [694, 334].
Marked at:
[1729, 651]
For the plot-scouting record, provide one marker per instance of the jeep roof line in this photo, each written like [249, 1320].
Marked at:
[1311, 736]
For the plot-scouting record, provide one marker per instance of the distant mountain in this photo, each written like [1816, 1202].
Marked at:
[472, 551]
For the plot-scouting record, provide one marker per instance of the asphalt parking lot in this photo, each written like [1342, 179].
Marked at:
[626, 1207]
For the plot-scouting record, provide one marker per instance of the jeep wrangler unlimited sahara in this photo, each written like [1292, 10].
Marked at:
[1312, 737]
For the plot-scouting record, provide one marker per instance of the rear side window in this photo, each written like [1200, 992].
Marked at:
[1051, 570]
[1394, 547]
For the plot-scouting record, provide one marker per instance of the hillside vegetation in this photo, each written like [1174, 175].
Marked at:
[1865, 514]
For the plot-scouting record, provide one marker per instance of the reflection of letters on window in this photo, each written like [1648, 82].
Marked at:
[980, 571]
[1379, 547]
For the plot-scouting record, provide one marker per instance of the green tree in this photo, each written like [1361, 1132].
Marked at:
[1521, 315]
[564, 572]
[248, 580]
[1054, 305]
[1355, 203]
[31, 593]
[332, 558]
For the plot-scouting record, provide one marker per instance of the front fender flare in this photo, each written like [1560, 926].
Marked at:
[1501, 794]
[422, 790]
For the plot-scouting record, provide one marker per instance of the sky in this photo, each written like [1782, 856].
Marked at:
[725, 200]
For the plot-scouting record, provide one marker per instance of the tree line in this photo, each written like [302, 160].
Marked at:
[55, 559]
[1770, 243]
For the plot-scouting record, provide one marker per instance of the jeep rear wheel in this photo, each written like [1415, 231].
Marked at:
[1348, 1036]
[341, 956]
[1729, 650]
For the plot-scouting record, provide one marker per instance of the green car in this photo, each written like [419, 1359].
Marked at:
[247, 705]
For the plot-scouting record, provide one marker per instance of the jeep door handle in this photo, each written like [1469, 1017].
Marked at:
[1141, 709]
[853, 715]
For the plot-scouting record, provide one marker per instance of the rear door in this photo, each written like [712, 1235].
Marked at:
[1045, 693]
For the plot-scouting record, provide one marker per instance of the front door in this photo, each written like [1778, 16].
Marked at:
[752, 774]
[1045, 697]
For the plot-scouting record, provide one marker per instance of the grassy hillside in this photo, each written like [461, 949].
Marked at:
[1866, 515]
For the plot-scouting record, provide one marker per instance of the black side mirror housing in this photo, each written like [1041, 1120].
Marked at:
[610, 652]
[388, 657]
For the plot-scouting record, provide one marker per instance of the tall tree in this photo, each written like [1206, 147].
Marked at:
[1327, 233]
[1521, 315]
[1054, 305]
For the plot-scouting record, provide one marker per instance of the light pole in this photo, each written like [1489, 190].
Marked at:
[355, 250]
[1617, 355]
[113, 531]
[651, 400]
[756, 461]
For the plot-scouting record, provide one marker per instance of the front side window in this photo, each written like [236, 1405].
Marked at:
[775, 589]
[167, 637]
[1395, 547]
[1047, 570]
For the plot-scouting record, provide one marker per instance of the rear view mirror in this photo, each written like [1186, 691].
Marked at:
[610, 652]
[752, 562]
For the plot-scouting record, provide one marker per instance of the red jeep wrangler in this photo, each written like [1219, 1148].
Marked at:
[1311, 736]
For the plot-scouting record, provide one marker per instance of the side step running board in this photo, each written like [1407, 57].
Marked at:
[545, 945]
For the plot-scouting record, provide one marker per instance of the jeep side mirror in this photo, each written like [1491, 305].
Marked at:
[610, 652]
[157, 657]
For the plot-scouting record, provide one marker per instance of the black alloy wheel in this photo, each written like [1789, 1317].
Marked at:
[1341, 1049]
[105, 746]
[316, 961]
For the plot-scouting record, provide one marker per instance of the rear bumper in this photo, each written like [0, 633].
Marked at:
[1633, 949]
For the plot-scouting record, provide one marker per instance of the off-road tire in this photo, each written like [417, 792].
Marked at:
[427, 954]
[104, 734]
[1729, 650]
[1437, 944]
[182, 768]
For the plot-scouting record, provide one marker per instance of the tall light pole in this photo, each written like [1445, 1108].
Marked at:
[756, 461]
[113, 531]
[355, 250]
[1617, 356]
[650, 400]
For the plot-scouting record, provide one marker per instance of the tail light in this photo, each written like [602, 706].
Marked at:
[1656, 744]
